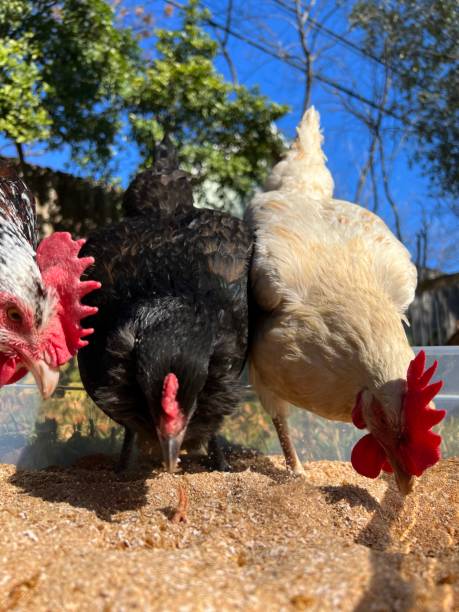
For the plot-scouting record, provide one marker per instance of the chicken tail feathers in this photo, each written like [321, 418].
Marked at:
[308, 145]
[163, 190]
[304, 165]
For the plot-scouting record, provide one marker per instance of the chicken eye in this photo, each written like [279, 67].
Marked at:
[14, 315]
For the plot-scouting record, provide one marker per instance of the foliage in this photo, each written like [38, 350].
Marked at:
[66, 75]
[22, 117]
[223, 131]
[419, 39]
[250, 427]
[69, 72]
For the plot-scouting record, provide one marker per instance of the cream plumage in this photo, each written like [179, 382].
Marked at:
[332, 284]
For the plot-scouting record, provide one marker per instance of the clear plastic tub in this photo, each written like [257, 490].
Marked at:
[61, 430]
[448, 371]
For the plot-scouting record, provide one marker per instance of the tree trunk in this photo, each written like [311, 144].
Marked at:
[22, 161]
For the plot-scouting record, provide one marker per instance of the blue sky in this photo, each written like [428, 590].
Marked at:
[346, 140]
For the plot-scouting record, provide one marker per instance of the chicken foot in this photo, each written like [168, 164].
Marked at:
[216, 455]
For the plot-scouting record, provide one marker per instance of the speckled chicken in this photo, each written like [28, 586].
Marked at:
[170, 336]
[332, 283]
[40, 291]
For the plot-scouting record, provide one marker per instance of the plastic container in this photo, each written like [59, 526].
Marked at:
[448, 371]
[61, 430]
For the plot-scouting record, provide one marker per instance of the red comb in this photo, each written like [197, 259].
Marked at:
[422, 447]
[61, 268]
[419, 447]
[170, 388]
[173, 418]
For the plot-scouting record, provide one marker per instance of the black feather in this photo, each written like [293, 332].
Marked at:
[161, 191]
[173, 299]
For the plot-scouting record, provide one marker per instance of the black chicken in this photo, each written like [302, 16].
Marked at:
[170, 336]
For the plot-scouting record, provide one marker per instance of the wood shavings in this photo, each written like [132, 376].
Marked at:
[21, 591]
[259, 539]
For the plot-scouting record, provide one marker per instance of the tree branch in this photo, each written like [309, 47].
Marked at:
[301, 19]
[374, 125]
[368, 167]
[223, 42]
[390, 199]
[374, 184]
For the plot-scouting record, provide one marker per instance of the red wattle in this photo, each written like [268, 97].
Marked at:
[386, 467]
[8, 372]
[368, 457]
[357, 416]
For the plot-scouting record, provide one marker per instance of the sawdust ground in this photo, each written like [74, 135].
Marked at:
[256, 539]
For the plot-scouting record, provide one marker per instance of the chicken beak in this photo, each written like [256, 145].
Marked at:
[45, 376]
[405, 482]
[170, 446]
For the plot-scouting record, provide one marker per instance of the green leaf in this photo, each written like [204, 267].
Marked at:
[418, 40]
[224, 132]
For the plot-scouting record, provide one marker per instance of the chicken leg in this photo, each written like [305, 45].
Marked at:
[216, 455]
[277, 408]
[126, 451]
[292, 461]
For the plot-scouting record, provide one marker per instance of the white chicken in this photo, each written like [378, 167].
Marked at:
[332, 283]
